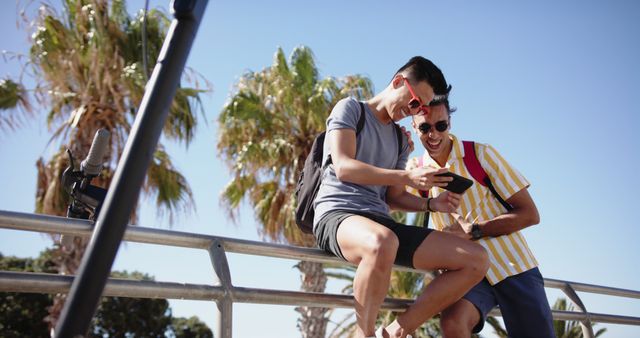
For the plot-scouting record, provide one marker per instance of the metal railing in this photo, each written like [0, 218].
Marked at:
[225, 293]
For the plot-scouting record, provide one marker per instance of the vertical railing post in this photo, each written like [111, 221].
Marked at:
[225, 303]
[587, 328]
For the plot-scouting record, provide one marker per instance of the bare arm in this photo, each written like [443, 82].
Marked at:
[399, 199]
[342, 143]
[523, 214]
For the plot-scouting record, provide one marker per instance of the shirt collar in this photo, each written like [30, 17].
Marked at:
[457, 151]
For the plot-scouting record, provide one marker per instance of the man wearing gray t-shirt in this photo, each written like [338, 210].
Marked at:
[366, 179]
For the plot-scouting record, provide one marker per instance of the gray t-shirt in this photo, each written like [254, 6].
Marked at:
[377, 145]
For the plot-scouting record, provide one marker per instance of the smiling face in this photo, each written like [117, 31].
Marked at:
[404, 92]
[433, 130]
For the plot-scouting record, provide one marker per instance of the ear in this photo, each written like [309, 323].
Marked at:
[397, 81]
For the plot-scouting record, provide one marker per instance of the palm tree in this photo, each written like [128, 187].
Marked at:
[89, 74]
[266, 131]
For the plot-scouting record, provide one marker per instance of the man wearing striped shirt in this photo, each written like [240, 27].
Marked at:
[513, 280]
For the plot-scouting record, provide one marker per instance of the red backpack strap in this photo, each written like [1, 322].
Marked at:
[475, 169]
[423, 193]
[473, 165]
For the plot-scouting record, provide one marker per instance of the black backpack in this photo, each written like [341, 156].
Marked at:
[311, 176]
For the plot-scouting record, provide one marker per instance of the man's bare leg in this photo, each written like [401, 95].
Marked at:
[459, 319]
[466, 264]
[373, 248]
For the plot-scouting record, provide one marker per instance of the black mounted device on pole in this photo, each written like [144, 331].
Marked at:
[86, 199]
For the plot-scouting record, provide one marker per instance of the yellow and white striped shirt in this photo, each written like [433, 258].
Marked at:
[509, 254]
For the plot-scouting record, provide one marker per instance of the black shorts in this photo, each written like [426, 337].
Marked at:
[409, 237]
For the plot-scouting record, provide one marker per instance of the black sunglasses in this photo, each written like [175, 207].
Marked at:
[440, 126]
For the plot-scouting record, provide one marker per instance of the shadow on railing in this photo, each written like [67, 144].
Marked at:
[225, 294]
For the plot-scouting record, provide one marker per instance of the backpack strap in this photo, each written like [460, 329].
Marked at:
[473, 165]
[398, 136]
[360, 124]
[478, 173]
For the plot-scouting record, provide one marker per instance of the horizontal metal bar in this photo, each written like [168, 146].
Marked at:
[68, 226]
[51, 283]
[83, 228]
[580, 316]
[613, 319]
[31, 282]
[591, 288]
[313, 299]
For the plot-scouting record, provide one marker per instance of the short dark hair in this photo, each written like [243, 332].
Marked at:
[419, 69]
[445, 102]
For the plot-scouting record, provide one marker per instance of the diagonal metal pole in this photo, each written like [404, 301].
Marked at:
[122, 196]
[587, 327]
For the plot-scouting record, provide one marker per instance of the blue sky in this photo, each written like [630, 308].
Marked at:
[552, 85]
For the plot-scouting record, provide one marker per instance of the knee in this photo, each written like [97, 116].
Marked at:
[454, 327]
[479, 263]
[381, 248]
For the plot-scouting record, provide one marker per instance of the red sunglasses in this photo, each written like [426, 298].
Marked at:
[415, 101]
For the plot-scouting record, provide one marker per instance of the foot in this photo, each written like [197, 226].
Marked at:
[394, 330]
[378, 334]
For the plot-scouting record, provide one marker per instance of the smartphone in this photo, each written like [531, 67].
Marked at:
[459, 184]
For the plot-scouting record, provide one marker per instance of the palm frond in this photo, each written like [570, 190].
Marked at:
[119, 12]
[280, 68]
[14, 104]
[236, 190]
[50, 196]
[182, 121]
[601, 331]
[341, 276]
[305, 73]
[345, 327]
[170, 187]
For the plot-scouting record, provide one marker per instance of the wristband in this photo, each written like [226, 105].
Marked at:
[429, 204]
[476, 232]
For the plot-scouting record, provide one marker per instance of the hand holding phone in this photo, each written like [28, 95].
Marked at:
[459, 184]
